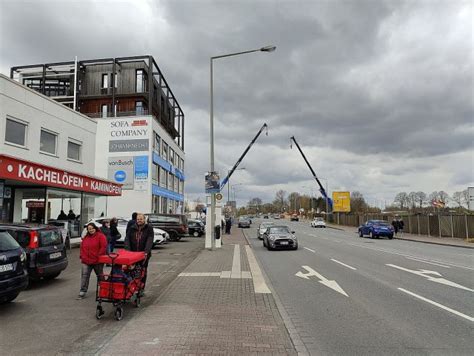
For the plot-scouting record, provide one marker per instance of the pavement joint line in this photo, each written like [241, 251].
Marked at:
[259, 283]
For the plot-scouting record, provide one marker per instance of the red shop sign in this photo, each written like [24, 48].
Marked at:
[34, 204]
[17, 169]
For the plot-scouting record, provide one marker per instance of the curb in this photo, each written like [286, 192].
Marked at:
[434, 243]
[246, 239]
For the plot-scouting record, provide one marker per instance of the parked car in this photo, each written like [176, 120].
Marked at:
[44, 247]
[13, 271]
[196, 228]
[280, 236]
[160, 237]
[262, 228]
[244, 222]
[318, 222]
[63, 225]
[276, 216]
[176, 225]
[294, 217]
[376, 228]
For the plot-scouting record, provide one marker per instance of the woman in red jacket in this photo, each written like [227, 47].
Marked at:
[93, 245]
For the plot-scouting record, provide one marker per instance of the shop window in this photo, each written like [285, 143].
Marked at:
[74, 150]
[15, 132]
[48, 142]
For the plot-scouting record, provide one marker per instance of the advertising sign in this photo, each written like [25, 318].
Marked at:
[141, 172]
[341, 202]
[121, 170]
[129, 135]
[212, 183]
[128, 145]
[25, 171]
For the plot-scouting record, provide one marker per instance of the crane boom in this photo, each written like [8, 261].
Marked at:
[321, 188]
[226, 179]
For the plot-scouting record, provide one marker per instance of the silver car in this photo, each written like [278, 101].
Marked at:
[262, 228]
[280, 237]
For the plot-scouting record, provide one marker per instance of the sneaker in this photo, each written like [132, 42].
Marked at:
[81, 295]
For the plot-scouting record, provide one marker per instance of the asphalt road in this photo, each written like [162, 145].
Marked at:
[347, 295]
[46, 319]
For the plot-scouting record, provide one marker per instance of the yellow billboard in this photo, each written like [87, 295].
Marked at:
[341, 202]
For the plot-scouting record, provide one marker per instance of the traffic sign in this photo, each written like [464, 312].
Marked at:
[219, 196]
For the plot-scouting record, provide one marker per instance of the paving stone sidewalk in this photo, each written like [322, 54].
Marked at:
[205, 311]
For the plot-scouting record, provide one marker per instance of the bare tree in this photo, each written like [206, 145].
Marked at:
[421, 198]
[465, 197]
[443, 196]
[358, 202]
[458, 198]
[401, 199]
[412, 199]
[293, 200]
[280, 200]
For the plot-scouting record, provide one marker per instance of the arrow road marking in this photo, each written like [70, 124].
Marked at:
[426, 273]
[470, 318]
[431, 263]
[323, 280]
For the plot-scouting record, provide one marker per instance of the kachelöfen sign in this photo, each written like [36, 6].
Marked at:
[16, 169]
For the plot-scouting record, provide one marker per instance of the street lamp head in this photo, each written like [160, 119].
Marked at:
[268, 49]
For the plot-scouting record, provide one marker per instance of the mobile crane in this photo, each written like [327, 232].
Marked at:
[321, 188]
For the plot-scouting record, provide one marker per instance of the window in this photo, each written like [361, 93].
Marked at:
[74, 150]
[48, 142]
[104, 110]
[171, 154]
[164, 154]
[105, 81]
[170, 181]
[182, 165]
[114, 77]
[141, 81]
[155, 173]
[181, 187]
[156, 143]
[176, 185]
[163, 178]
[15, 132]
[139, 109]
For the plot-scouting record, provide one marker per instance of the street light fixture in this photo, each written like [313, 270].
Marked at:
[211, 125]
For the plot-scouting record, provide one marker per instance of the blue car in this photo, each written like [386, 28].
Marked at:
[376, 228]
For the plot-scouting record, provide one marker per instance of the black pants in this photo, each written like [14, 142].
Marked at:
[145, 266]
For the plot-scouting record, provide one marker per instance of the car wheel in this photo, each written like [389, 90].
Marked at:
[295, 248]
[10, 298]
[390, 237]
[173, 236]
[372, 235]
[361, 234]
[196, 234]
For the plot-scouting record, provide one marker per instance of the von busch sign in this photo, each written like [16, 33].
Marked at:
[16, 169]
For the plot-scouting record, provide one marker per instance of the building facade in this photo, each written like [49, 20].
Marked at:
[140, 125]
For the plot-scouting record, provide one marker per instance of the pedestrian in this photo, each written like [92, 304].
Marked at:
[93, 245]
[131, 222]
[105, 229]
[401, 225]
[395, 225]
[140, 238]
[71, 215]
[228, 225]
[62, 215]
[114, 233]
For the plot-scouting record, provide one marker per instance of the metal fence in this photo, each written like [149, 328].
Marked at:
[455, 226]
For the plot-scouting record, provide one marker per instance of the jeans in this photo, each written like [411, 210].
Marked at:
[86, 274]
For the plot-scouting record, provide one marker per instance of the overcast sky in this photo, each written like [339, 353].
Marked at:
[379, 94]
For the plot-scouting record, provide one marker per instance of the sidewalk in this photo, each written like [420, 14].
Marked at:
[447, 241]
[218, 305]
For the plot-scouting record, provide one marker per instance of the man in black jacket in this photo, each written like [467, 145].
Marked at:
[140, 238]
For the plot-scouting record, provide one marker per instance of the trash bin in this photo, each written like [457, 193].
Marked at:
[217, 232]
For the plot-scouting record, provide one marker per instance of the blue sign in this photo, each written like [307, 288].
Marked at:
[141, 167]
[162, 192]
[120, 176]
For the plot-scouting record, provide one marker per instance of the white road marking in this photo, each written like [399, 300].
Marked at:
[259, 284]
[426, 273]
[155, 341]
[323, 280]
[313, 251]
[332, 259]
[431, 263]
[470, 318]
[405, 255]
[236, 263]
[200, 274]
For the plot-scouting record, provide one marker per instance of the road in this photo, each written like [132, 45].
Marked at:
[358, 296]
[46, 319]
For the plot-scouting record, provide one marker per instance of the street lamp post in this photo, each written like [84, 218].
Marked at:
[211, 126]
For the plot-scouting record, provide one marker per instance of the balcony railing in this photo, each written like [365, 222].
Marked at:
[97, 115]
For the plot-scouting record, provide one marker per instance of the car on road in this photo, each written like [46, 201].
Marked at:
[196, 228]
[376, 228]
[160, 237]
[276, 216]
[294, 217]
[318, 222]
[176, 225]
[13, 271]
[262, 228]
[45, 251]
[280, 237]
[244, 222]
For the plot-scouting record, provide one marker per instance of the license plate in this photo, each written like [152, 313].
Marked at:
[284, 243]
[55, 255]
[7, 267]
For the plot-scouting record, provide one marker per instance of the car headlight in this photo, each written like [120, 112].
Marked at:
[23, 256]
[293, 237]
[272, 238]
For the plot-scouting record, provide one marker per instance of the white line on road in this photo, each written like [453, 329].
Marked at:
[313, 251]
[259, 284]
[332, 259]
[431, 263]
[236, 263]
[470, 318]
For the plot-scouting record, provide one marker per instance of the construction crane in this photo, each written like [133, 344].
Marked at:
[226, 179]
[321, 188]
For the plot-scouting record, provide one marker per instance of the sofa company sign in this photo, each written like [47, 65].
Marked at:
[128, 135]
[13, 168]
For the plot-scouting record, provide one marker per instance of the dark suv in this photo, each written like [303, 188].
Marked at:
[44, 247]
[13, 274]
[176, 225]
